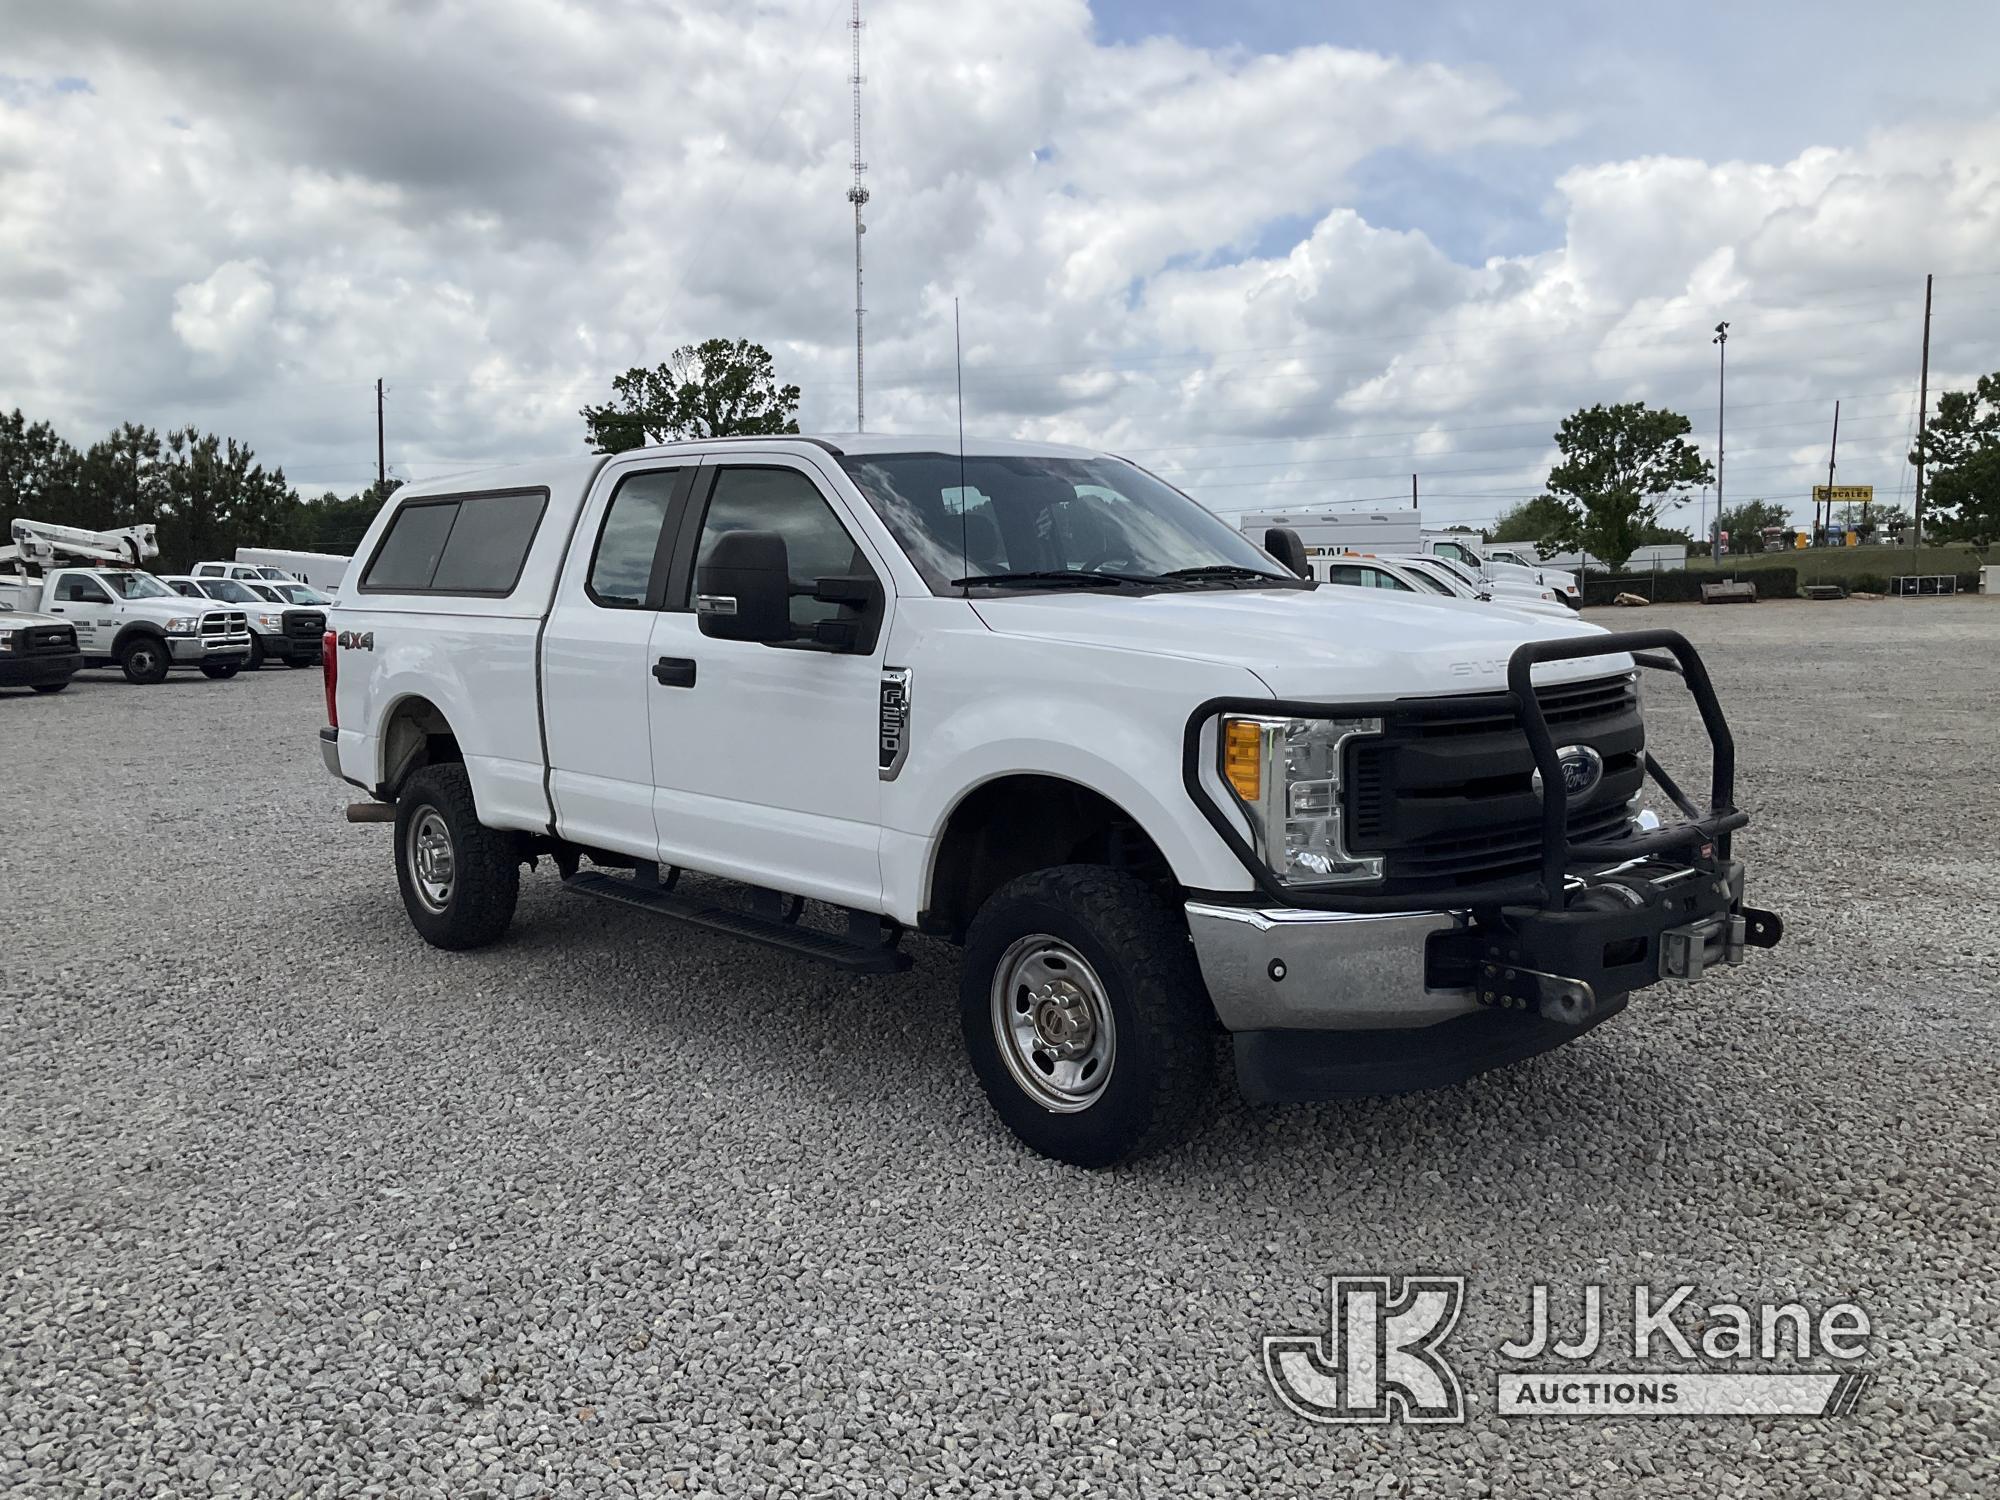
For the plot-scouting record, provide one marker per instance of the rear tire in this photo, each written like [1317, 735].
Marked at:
[51, 687]
[459, 878]
[144, 660]
[1086, 1017]
[221, 671]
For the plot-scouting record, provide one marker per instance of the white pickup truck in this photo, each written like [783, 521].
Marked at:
[1034, 701]
[129, 619]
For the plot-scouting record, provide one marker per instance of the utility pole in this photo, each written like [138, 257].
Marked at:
[1830, 453]
[381, 466]
[858, 195]
[1413, 492]
[1721, 342]
[1923, 415]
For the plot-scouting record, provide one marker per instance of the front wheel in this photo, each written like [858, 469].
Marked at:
[221, 671]
[51, 687]
[144, 660]
[460, 879]
[1086, 1017]
[302, 661]
[256, 653]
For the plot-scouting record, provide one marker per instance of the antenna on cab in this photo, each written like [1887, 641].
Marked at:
[964, 496]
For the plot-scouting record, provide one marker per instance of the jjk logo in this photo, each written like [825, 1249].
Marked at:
[1379, 1361]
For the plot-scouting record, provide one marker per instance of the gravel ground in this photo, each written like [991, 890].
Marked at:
[292, 1204]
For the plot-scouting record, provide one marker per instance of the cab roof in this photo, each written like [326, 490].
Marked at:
[573, 473]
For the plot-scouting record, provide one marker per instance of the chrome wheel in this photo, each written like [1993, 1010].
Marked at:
[430, 859]
[1054, 1024]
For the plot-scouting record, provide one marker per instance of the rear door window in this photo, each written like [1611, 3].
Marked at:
[468, 544]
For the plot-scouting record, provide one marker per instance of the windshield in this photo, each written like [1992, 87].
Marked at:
[228, 590]
[136, 586]
[1428, 582]
[298, 593]
[263, 592]
[988, 515]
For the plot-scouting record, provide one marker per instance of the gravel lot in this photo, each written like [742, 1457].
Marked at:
[290, 1203]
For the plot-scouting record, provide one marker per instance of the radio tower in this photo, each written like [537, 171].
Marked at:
[858, 195]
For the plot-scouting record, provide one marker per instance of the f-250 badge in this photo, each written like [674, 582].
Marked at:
[356, 640]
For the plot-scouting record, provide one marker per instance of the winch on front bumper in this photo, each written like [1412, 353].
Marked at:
[1333, 992]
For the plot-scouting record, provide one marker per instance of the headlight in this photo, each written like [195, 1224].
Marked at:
[1286, 773]
[271, 622]
[8, 640]
[183, 626]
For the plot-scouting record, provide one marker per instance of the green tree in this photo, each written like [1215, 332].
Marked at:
[713, 389]
[1531, 521]
[1961, 447]
[1621, 466]
[39, 473]
[1745, 523]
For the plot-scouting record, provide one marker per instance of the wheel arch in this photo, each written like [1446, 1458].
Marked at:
[1013, 823]
[415, 733]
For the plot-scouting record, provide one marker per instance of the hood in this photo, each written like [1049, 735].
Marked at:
[16, 619]
[1333, 644]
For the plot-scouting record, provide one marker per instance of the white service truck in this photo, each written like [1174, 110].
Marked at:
[322, 570]
[1034, 701]
[122, 615]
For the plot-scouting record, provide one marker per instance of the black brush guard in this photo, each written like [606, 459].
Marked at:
[1568, 938]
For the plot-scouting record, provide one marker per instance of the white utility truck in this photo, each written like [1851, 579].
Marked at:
[122, 615]
[1034, 701]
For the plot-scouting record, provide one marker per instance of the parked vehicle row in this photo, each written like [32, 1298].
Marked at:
[1156, 781]
[117, 613]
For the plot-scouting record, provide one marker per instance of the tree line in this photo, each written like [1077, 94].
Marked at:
[1622, 466]
[205, 494]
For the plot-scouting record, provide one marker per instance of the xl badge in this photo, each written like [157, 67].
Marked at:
[1582, 769]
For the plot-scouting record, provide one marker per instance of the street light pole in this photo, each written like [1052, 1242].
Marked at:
[1721, 342]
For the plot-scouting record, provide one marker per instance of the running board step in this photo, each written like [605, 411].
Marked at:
[847, 953]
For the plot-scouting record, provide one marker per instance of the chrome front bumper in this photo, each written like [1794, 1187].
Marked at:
[200, 648]
[1289, 969]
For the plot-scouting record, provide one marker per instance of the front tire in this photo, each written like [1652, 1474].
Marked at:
[301, 661]
[145, 660]
[51, 687]
[460, 879]
[221, 671]
[1086, 1017]
[256, 653]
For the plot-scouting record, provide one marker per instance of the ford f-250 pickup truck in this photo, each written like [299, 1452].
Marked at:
[1032, 700]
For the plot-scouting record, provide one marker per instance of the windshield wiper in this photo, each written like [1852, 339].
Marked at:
[1085, 577]
[1225, 571]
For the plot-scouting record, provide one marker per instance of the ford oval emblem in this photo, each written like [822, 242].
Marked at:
[1582, 769]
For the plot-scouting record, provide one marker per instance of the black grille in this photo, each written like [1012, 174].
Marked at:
[49, 639]
[305, 624]
[1451, 802]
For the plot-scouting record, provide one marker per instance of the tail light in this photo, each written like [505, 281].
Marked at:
[329, 671]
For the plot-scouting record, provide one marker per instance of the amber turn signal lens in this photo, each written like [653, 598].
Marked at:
[1243, 757]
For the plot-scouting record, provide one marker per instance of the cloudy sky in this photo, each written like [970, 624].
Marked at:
[1285, 252]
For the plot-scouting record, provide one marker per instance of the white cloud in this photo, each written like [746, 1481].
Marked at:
[1156, 245]
[226, 313]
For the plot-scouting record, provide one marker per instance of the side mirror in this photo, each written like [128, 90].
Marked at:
[744, 591]
[1283, 543]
